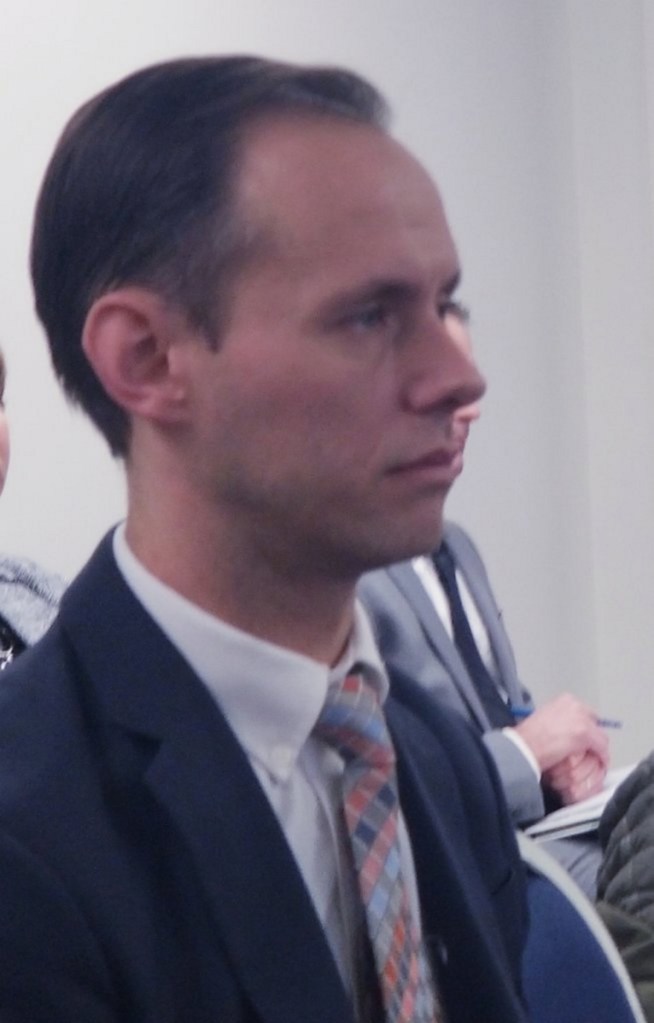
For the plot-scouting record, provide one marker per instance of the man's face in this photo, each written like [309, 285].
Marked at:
[324, 425]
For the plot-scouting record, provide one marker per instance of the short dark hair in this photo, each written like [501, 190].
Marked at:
[139, 190]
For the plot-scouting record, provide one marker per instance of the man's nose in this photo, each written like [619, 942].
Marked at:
[442, 374]
[468, 413]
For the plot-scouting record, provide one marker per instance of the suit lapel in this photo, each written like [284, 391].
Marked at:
[412, 590]
[203, 781]
[261, 907]
[477, 583]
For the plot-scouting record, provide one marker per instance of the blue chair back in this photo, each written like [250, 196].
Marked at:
[572, 972]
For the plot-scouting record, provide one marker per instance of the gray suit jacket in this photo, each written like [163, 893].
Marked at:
[413, 639]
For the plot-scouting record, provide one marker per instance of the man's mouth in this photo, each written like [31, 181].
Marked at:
[444, 464]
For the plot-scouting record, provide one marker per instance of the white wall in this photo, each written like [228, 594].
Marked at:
[612, 97]
[534, 117]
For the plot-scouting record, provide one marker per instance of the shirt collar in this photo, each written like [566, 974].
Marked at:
[271, 696]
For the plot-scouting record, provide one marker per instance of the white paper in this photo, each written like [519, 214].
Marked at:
[579, 817]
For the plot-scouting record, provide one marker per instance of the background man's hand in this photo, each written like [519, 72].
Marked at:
[570, 747]
[577, 777]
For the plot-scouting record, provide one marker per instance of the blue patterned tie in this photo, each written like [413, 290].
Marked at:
[353, 723]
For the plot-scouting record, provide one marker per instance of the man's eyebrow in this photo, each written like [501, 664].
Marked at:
[388, 289]
[378, 288]
[453, 283]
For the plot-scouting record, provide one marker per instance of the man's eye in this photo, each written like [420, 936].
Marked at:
[370, 318]
[454, 307]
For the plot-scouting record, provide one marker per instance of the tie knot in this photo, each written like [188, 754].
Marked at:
[444, 563]
[352, 722]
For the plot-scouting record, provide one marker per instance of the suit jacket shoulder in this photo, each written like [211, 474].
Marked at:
[143, 875]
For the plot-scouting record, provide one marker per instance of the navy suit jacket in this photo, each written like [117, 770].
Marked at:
[144, 877]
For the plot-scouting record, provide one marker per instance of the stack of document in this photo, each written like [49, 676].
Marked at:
[580, 817]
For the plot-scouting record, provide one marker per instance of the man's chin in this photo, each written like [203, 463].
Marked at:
[404, 550]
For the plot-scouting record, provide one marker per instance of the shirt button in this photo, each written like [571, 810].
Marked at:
[281, 760]
[441, 951]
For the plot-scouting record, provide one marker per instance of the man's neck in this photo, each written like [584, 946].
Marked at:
[301, 611]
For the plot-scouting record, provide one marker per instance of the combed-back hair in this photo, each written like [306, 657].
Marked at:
[140, 190]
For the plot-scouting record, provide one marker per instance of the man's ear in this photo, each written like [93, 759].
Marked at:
[130, 338]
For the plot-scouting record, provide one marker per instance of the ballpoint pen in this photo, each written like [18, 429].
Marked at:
[524, 712]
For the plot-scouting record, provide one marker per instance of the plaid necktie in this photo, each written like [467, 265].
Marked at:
[352, 722]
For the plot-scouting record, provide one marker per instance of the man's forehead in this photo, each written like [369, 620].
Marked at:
[325, 176]
[296, 154]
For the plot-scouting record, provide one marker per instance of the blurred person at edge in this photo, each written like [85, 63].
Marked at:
[29, 597]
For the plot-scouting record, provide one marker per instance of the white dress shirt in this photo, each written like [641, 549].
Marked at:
[271, 698]
[424, 568]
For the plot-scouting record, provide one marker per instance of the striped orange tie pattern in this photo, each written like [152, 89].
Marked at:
[353, 723]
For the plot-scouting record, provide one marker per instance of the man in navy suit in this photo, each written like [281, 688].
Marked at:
[245, 282]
